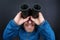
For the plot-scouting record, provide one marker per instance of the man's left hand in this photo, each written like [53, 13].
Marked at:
[38, 20]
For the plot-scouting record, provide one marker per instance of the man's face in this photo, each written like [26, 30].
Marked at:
[29, 26]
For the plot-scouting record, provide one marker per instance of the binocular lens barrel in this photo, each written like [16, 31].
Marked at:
[26, 11]
[24, 7]
[36, 10]
[37, 7]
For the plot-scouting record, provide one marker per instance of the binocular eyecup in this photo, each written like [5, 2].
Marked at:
[26, 11]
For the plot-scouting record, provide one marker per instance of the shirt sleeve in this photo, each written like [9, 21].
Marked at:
[11, 30]
[46, 31]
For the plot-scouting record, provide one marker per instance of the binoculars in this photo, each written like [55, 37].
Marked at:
[30, 11]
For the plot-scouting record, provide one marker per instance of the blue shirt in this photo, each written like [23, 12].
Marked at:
[13, 30]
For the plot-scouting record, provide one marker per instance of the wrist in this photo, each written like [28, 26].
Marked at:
[16, 22]
[41, 22]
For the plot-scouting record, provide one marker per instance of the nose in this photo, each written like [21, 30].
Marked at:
[29, 21]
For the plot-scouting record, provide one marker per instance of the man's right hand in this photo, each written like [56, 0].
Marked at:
[19, 20]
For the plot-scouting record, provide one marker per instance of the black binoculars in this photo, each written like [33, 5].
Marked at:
[33, 11]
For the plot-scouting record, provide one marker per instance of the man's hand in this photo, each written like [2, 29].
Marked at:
[38, 20]
[19, 20]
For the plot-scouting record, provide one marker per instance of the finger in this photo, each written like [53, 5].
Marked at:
[26, 19]
[32, 18]
[40, 15]
[41, 18]
[19, 14]
[17, 17]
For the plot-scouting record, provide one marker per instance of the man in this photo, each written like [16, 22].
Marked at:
[27, 30]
